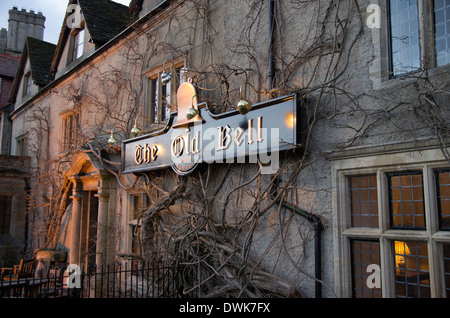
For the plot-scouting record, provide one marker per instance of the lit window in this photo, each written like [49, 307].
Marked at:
[406, 200]
[412, 275]
[446, 253]
[443, 193]
[364, 201]
[397, 222]
[364, 254]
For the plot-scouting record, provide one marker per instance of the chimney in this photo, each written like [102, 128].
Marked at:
[3, 38]
[22, 24]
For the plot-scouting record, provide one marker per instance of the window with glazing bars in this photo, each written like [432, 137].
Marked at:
[364, 254]
[407, 209]
[70, 130]
[443, 198]
[364, 201]
[442, 31]
[446, 256]
[412, 275]
[409, 273]
[410, 24]
[404, 36]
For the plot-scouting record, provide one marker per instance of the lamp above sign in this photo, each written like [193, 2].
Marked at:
[259, 135]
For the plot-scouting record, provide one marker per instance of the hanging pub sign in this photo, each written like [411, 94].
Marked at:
[194, 135]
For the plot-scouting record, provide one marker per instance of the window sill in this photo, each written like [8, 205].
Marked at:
[362, 232]
[438, 74]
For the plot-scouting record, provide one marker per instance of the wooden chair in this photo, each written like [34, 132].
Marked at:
[24, 270]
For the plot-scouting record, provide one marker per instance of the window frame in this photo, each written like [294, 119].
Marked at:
[75, 44]
[74, 119]
[381, 71]
[152, 77]
[439, 208]
[22, 145]
[389, 176]
[27, 84]
[434, 38]
[389, 44]
[78, 44]
[432, 235]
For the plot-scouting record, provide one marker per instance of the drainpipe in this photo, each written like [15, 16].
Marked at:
[271, 42]
[317, 243]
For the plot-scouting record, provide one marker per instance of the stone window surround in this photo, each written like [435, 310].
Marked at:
[380, 162]
[72, 42]
[65, 115]
[152, 73]
[22, 144]
[379, 71]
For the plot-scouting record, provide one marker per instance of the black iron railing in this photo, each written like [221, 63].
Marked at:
[123, 280]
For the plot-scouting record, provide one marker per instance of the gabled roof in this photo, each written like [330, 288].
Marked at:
[40, 54]
[103, 18]
[8, 65]
[134, 24]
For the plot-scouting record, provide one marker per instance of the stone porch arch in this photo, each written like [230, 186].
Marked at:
[89, 178]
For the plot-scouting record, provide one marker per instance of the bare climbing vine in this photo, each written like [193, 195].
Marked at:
[224, 224]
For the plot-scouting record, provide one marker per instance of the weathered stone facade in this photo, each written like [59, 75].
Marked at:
[355, 121]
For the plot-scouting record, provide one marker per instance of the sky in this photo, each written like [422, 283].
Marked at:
[53, 10]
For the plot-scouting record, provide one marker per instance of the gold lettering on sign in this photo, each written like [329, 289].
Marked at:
[260, 138]
[177, 146]
[195, 143]
[155, 152]
[138, 155]
[225, 137]
[237, 136]
[250, 131]
[145, 154]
